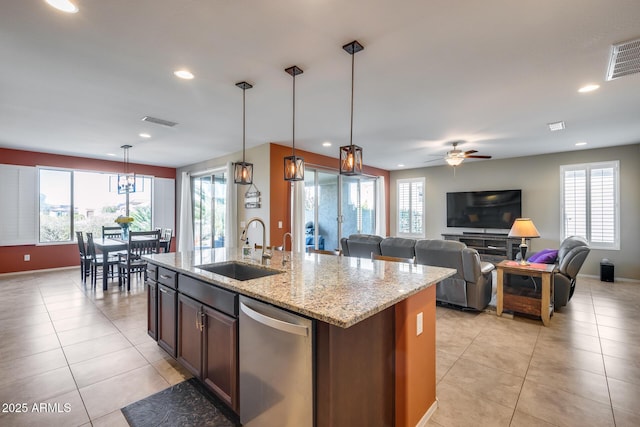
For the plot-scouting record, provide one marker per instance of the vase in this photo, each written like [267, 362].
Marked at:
[125, 230]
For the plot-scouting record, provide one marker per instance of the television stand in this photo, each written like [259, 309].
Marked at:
[492, 247]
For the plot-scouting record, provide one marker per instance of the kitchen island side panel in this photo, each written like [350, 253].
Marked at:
[355, 370]
[415, 357]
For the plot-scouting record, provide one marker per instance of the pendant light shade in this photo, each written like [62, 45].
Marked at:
[126, 180]
[243, 171]
[293, 165]
[351, 155]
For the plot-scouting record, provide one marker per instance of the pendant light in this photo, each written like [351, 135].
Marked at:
[294, 165]
[243, 171]
[351, 155]
[126, 180]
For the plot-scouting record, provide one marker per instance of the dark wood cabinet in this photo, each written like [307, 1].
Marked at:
[220, 367]
[207, 347]
[152, 309]
[167, 301]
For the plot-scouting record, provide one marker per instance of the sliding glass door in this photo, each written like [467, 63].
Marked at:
[337, 206]
[209, 210]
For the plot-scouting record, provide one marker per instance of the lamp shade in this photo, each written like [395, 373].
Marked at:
[243, 173]
[453, 160]
[524, 228]
[293, 168]
[351, 160]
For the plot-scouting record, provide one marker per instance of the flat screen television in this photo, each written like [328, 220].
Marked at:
[484, 209]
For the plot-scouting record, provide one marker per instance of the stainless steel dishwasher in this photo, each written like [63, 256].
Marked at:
[276, 366]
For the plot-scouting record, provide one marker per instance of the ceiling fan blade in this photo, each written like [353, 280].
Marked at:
[477, 157]
[434, 160]
[470, 152]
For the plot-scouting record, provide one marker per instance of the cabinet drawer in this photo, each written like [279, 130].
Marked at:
[211, 295]
[152, 272]
[167, 277]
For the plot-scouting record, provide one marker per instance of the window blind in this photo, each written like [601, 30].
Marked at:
[411, 207]
[18, 201]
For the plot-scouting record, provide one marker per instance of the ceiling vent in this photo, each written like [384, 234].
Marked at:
[160, 122]
[625, 59]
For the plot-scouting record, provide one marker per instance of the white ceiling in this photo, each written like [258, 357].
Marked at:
[490, 72]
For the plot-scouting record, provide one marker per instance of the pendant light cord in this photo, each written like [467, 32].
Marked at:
[353, 55]
[293, 136]
[243, 120]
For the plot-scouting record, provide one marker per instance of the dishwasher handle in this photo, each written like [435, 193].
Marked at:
[280, 325]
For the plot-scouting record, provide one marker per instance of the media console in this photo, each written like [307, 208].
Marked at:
[491, 247]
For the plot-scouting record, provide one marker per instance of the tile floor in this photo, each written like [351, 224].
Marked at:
[86, 354]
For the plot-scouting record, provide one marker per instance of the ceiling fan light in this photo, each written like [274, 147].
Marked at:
[454, 160]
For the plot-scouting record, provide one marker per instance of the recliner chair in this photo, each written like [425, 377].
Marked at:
[361, 245]
[571, 255]
[470, 287]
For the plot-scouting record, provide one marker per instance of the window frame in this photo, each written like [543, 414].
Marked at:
[410, 181]
[588, 167]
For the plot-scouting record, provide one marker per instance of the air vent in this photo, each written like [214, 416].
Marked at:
[625, 59]
[159, 121]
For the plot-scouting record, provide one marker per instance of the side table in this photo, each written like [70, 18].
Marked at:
[536, 270]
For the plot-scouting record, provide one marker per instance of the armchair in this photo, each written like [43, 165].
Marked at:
[470, 287]
[571, 255]
[361, 245]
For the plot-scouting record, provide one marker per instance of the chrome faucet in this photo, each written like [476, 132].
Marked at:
[266, 255]
[286, 258]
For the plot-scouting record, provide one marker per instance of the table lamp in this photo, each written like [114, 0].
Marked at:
[525, 229]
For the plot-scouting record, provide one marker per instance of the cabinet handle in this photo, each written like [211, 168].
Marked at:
[164, 291]
[164, 276]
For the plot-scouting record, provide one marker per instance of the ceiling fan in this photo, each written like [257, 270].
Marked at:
[455, 157]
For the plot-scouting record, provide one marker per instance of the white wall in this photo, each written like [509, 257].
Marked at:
[539, 179]
[259, 156]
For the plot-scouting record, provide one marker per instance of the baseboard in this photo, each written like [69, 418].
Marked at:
[616, 279]
[44, 270]
[425, 418]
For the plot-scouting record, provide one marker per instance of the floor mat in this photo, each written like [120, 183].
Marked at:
[184, 404]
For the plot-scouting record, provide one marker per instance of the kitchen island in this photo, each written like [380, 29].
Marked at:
[373, 328]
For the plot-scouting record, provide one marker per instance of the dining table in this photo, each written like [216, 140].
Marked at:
[110, 245]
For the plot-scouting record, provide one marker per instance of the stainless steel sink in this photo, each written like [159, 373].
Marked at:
[238, 271]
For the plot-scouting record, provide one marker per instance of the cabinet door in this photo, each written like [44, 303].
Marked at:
[220, 369]
[190, 327]
[152, 309]
[167, 299]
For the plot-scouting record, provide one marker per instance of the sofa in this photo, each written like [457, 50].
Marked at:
[571, 254]
[470, 287]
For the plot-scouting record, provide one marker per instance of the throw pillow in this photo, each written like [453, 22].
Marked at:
[545, 256]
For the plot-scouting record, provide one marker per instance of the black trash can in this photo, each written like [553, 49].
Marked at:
[606, 270]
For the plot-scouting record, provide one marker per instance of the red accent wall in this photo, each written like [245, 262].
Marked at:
[280, 197]
[63, 255]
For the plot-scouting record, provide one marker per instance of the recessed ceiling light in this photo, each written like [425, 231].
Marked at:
[588, 88]
[111, 154]
[400, 165]
[63, 5]
[578, 144]
[183, 74]
[326, 144]
[556, 126]
[144, 135]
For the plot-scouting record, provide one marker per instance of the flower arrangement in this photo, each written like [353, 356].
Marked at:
[124, 219]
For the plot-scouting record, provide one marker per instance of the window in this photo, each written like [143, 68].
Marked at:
[71, 201]
[411, 207]
[590, 203]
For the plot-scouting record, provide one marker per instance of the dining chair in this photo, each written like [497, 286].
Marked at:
[166, 237]
[375, 256]
[110, 232]
[97, 261]
[140, 243]
[85, 259]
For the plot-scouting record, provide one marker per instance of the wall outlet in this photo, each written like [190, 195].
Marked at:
[27, 257]
[419, 324]
[279, 224]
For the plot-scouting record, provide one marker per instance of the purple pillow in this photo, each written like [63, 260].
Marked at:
[545, 256]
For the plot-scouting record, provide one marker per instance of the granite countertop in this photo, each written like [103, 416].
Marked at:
[338, 290]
